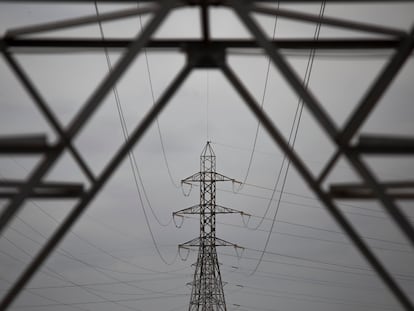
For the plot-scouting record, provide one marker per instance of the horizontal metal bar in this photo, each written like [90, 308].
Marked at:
[80, 21]
[403, 184]
[205, 241]
[9, 188]
[395, 189]
[11, 183]
[39, 195]
[218, 209]
[380, 144]
[183, 44]
[26, 144]
[211, 177]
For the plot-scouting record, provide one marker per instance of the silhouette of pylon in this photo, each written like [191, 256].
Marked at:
[207, 292]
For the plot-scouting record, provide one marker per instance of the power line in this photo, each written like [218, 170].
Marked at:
[62, 277]
[317, 261]
[311, 237]
[316, 207]
[39, 208]
[314, 199]
[86, 288]
[312, 298]
[308, 198]
[87, 241]
[76, 235]
[361, 271]
[297, 224]
[111, 283]
[307, 205]
[308, 280]
[153, 102]
[273, 154]
[132, 159]
[32, 290]
[298, 116]
[73, 257]
[70, 256]
[114, 301]
[261, 105]
[312, 267]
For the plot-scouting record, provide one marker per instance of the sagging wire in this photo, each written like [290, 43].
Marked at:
[68, 255]
[261, 105]
[103, 251]
[131, 155]
[246, 223]
[55, 274]
[186, 194]
[153, 102]
[239, 188]
[298, 115]
[239, 254]
[125, 132]
[187, 254]
[178, 226]
[256, 137]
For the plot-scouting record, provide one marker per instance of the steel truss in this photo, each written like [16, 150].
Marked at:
[207, 292]
[211, 54]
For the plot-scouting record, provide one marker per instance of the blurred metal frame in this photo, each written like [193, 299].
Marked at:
[211, 54]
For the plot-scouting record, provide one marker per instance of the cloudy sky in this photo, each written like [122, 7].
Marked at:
[122, 254]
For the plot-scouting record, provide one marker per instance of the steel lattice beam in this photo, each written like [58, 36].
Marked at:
[210, 53]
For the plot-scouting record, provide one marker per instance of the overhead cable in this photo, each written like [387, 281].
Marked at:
[132, 157]
[156, 119]
[312, 238]
[261, 106]
[62, 277]
[298, 115]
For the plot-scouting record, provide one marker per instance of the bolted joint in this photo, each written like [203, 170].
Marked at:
[204, 2]
[206, 55]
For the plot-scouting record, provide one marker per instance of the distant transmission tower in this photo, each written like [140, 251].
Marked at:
[207, 288]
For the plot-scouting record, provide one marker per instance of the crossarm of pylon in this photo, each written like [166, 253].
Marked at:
[192, 243]
[197, 242]
[196, 209]
[227, 210]
[221, 242]
[198, 177]
[191, 179]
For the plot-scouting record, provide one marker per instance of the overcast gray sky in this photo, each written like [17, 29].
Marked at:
[109, 262]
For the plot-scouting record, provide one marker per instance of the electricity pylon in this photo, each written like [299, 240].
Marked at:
[207, 287]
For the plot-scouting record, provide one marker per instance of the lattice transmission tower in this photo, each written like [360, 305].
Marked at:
[207, 292]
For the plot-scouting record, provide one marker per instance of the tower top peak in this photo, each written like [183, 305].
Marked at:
[208, 150]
